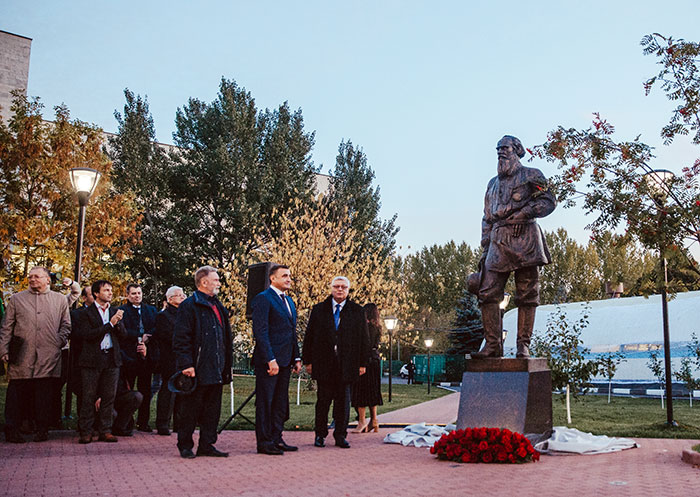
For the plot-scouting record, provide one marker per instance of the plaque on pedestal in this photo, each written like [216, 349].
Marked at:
[506, 393]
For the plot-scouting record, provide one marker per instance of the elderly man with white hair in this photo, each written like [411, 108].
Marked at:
[336, 352]
[163, 336]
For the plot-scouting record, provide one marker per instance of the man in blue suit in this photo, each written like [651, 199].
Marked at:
[275, 355]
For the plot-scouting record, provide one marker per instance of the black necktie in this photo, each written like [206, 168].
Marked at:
[286, 305]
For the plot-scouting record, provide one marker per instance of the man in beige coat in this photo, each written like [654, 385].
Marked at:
[36, 327]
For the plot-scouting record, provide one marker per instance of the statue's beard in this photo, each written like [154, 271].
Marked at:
[507, 166]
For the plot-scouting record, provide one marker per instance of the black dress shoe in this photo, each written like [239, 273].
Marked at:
[319, 442]
[14, 437]
[41, 436]
[270, 450]
[211, 452]
[163, 431]
[145, 428]
[187, 454]
[282, 445]
[342, 443]
[121, 433]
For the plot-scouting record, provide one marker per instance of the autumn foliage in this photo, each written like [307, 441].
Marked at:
[612, 176]
[39, 210]
[317, 246]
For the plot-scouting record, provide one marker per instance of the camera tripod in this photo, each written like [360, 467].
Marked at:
[237, 412]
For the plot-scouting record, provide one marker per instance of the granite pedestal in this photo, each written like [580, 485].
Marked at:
[506, 393]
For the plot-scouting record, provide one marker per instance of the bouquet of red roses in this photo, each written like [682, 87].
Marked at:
[485, 445]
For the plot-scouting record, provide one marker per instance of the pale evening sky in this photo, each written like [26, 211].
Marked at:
[425, 88]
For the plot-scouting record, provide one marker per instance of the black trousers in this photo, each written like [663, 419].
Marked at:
[337, 392]
[165, 403]
[99, 382]
[57, 405]
[271, 404]
[203, 405]
[35, 394]
[125, 405]
[141, 373]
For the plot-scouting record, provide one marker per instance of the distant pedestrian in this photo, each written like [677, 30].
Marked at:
[411, 372]
[36, 327]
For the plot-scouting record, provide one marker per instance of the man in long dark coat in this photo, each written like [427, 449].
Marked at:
[336, 352]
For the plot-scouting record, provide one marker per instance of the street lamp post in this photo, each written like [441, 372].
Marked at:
[428, 344]
[390, 322]
[657, 182]
[84, 181]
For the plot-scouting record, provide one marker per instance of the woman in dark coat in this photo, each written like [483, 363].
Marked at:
[366, 391]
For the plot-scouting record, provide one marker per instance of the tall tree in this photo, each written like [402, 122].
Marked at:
[616, 172]
[437, 275]
[352, 194]
[38, 208]
[140, 166]
[317, 247]
[574, 274]
[234, 169]
[468, 333]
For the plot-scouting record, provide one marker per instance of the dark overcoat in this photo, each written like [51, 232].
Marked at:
[163, 339]
[196, 339]
[351, 340]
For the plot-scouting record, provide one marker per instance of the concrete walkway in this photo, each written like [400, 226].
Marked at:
[438, 411]
[149, 465]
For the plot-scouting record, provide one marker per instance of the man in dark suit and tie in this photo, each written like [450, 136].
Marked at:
[140, 324]
[99, 331]
[336, 352]
[275, 355]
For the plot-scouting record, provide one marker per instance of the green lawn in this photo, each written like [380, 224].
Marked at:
[624, 417]
[628, 417]
[301, 416]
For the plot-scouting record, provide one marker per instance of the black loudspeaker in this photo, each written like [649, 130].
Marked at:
[258, 281]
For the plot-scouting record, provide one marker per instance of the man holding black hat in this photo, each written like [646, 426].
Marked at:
[202, 345]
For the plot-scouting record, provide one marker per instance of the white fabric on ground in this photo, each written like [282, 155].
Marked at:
[573, 441]
[418, 435]
[563, 440]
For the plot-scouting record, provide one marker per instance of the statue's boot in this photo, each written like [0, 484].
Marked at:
[526, 322]
[493, 333]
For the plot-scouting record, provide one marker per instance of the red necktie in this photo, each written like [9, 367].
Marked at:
[218, 316]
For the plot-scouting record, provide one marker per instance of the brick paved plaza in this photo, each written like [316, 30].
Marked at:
[149, 465]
